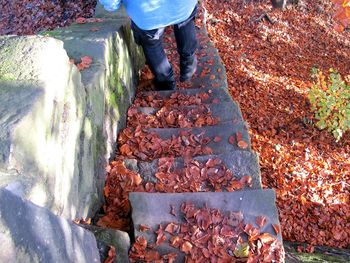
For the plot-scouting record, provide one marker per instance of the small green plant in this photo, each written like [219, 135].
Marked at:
[330, 100]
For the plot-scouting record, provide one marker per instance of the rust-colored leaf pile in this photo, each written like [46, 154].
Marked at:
[194, 176]
[142, 144]
[176, 99]
[268, 68]
[197, 177]
[211, 235]
[26, 17]
[173, 118]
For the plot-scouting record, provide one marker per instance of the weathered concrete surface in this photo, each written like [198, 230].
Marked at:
[231, 111]
[321, 254]
[219, 94]
[118, 239]
[42, 109]
[29, 233]
[224, 131]
[152, 209]
[240, 163]
[59, 125]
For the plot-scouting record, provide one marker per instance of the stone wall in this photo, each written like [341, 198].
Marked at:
[58, 126]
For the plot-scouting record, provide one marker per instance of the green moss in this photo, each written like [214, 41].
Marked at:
[113, 100]
[50, 33]
[321, 258]
[7, 76]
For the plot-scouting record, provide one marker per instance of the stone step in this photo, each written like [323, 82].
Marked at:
[162, 98]
[223, 131]
[153, 209]
[193, 113]
[240, 163]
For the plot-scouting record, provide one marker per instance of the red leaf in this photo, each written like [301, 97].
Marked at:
[242, 145]
[276, 228]
[186, 247]
[160, 235]
[144, 228]
[217, 139]
[231, 139]
[261, 221]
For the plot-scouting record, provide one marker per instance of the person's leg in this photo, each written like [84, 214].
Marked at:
[151, 42]
[186, 40]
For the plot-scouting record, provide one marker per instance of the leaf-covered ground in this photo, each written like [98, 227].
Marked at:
[268, 68]
[26, 17]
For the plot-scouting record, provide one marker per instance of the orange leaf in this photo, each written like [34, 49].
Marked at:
[107, 191]
[266, 238]
[144, 228]
[276, 228]
[242, 145]
[111, 255]
[186, 247]
[85, 62]
[81, 20]
[260, 221]
[217, 139]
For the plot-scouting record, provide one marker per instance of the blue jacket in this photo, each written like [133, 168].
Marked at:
[152, 14]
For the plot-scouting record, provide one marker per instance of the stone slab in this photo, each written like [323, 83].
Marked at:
[241, 163]
[225, 111]
[219, 94]
[321, 254]
[152, 209]
[224, 131]
[29, 233]
[111, 237]
[59, 125]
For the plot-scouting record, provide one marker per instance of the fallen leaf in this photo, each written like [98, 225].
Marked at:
[186, 247]
[276, 228]
[260, 221]
[81, 20]
[111, 255]
[242, 145]
[231, 140]
[217, 139]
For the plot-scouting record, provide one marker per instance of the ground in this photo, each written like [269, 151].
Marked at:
[268, 68]
[30, 16]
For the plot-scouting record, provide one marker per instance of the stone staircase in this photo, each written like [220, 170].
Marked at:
[223, 139]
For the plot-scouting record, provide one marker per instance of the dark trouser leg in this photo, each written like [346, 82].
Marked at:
[151, 42]
[186, 40]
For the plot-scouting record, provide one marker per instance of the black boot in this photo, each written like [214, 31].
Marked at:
[187, 68]
[165, 85]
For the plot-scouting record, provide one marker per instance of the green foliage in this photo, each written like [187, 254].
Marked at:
[330, 100]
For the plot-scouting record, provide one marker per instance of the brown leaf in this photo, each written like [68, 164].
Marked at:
[186, 247]
[266, 238]
[276, 228]
[232, 140]
[111, 255]
[217, 139]
[242, 145]
[81, 20]
[260, 221]
[160, 235]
